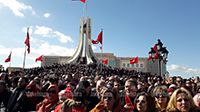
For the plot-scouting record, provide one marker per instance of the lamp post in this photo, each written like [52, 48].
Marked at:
[159, 52]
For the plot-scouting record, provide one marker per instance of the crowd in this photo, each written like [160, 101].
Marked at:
[96, 88]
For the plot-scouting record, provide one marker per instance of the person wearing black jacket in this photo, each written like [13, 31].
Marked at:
[18, 101]
[4, 96]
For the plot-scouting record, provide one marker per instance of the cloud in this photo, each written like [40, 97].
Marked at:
[46, 15]
[48, 32]
[178, 68]
[42, 48]
[17, 7]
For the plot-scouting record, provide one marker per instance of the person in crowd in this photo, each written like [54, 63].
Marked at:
[181, 101]
[169, 81]
[161, 98]
[196, 99]
[33, 94]
[77, 104]
[179, 82]
[50, 101]
[4, 96]
[14, 83]
[90, 100]
[99, 86]
[130, 91]
[18, 101]
[63, 95]
[117, 85]
[141, 87]
[109, 102]
[144, 103]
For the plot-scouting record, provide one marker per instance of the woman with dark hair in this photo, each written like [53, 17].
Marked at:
[144, 103]
[77, 104]
[109, 102]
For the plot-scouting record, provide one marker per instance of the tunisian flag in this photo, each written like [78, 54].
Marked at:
[8, 59]
[134, 60]
[40, 58]
[84, 1]
[99, 38]
[156, 55]
[105, 61]
[27, 41]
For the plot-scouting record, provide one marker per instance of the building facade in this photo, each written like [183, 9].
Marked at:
[143, 65]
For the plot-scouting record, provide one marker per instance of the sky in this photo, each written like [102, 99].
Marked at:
[130, 28]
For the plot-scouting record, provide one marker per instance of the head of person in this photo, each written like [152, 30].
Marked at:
[62, 95]
[130, 88]
[116, 85]
[196, 99]
[161, 96]
[86, 86]
[170, 80]
[99, 85]
[181, 100]
[22, 82]
[109, 97]
[159, 80]
[52, 92]
[179, 81]
[144, 103]
[14, 82]
[2, 86]
[79, 95]
[188, 83]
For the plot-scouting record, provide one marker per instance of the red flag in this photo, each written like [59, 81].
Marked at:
[8, 59]
[83, 1]
[40, 58]
[155, 47]
[156, 55]
[134, 60]
[149, 58]
[95, 42]
[105, 61]
[99, 38]
[27, 41]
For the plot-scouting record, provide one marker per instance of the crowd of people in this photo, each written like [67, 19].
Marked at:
[96, 88]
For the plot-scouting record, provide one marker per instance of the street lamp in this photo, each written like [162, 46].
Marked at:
[159, 52]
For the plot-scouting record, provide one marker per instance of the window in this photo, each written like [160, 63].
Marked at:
[128, 65]
[133, 65]
[141, 65]
[137, 65]
[124, 65]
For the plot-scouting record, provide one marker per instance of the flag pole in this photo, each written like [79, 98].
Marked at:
[101, 51]
[85, 10]
[24, 61]
[101, 58]
[10, 64]
[24, 57]
[10, 58]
